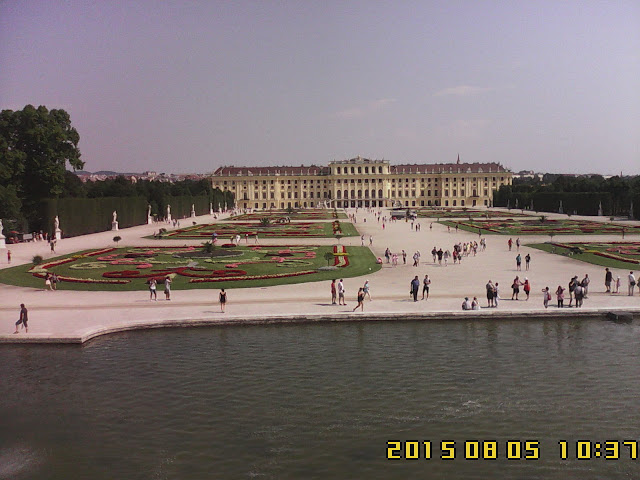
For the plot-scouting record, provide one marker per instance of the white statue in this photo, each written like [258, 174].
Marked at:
[149, 211]
[1, 227]
[193, 207]
[56, 223]
[115, 216]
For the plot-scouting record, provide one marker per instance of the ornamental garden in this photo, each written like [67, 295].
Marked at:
[544, 226]
[466, 213]
[608, 254]
[282, 216]
[225, 266]
[264, 229]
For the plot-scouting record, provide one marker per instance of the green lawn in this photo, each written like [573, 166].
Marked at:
[546, 227]
[297, 215]
[274, 230]
[190, 267]
[608, 254]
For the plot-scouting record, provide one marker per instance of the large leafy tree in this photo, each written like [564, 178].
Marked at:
[35, 146]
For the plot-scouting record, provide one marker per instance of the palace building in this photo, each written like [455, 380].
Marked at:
[360, 182]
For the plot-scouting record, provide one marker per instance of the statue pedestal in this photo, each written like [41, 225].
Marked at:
[3, 243]
[193, 214]
[211, 211]
[58, 234]
[114, 225]
[169, 219]
[149, 220]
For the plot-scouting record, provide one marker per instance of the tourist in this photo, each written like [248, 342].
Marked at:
[515, 286]
[47, 281]
[496, 295]
[360, 300]
[510, 242]
[527, 259]
[387, 255]
[560, 296]
[366, 289]
[52, 243]
[446, 256]
[334, 292]
[394, 259]
[518, 262]
[415, 259]
[572, 286]
[8, 256]
[167, 288]
[527, 287]
[24, 318]
[490, 294]
[434, 254]
[440, 255]
[585, 284]
[370, 240]
[466, 304]
[223, 299]
[618, 283]
[426, 281]
[404, 257]
[518, 243]
[54, 281]
[608, 278]
[546, 297]
[362, 241]
[475, 305]
[152, 290]
[632, 283]
[341, 292]
[415, 285]
[578, 293]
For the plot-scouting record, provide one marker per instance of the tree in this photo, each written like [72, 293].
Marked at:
[35, 146]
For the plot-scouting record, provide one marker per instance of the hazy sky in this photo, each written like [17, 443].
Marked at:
[187, 86]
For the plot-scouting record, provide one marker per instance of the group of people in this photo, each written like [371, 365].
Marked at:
[153, 287]
[338, 293]
[51, 281]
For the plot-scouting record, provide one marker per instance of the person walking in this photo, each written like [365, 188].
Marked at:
[167, 288]
[518, 262]
[404, 257]
[341, 292]
[8, 256]
[560, 296]
[608, 278]
[518, 244]
[24, 318]
[426, 281]
[360, 299]
[415, 285]
[334, 292]
[632, 283]
[152, 289]
[223, 299]
[366, 289]
[434, 254]
[527, 259]
[510, 243]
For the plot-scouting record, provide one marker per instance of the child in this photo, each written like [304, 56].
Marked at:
[617, 285]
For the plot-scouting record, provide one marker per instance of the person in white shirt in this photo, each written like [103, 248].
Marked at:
[466, 304]
[632, 283]
[341, 293]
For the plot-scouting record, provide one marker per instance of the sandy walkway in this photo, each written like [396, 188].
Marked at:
[67, 316]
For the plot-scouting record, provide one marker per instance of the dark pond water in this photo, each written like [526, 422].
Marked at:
[322, 401]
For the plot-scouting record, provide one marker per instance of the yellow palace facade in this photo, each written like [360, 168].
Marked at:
[360, 182]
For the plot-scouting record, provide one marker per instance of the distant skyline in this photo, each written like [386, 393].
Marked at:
[189, 86]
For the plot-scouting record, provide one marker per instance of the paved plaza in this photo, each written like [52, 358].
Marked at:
[76, 316]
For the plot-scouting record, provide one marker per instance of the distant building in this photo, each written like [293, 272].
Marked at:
[363, 182]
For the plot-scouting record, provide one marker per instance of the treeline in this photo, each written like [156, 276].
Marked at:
[584, 195]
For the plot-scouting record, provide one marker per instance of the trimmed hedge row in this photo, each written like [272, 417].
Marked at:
[80, 216]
